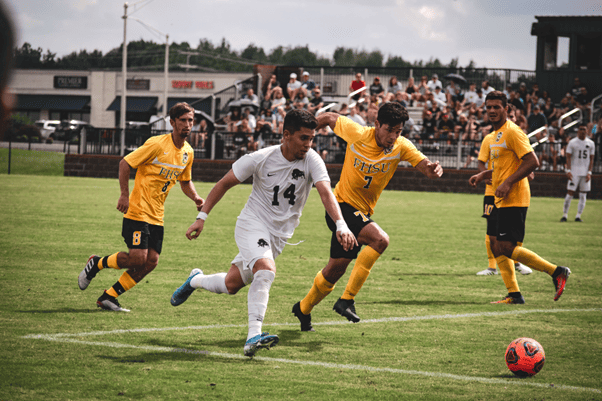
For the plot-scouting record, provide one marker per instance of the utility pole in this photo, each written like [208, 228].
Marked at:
[124, 67]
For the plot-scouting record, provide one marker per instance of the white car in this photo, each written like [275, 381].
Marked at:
[47, 127]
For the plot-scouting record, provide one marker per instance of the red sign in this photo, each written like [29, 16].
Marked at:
[181, 84]
[188, 84]
[204, 84]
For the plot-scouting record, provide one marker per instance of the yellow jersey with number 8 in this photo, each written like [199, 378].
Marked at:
[160, 164]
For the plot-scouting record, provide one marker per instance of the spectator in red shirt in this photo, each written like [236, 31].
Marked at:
[356, 84]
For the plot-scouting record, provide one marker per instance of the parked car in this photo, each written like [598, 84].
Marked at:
[69, 130]
[47, 127]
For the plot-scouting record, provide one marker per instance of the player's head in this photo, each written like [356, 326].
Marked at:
[389, 123]
[180, 108]
[582, 130]
[496, 103]
[298, 132]
[7, 43]
[181, 117]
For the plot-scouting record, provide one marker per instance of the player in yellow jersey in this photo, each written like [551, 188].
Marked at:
[371, 159]
[512, 160]
[161, 161]
[489, 204]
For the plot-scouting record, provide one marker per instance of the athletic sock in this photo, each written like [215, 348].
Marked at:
[508, 275]
[490, 257]
[533, 260]
[215, 283]
[581, 204]
[567, 204]
[319, 290]
[257, 300]
[365, 260]
[124, 283]
[108, 261]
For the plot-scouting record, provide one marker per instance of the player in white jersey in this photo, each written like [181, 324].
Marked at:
[282, 179]
[579, 163]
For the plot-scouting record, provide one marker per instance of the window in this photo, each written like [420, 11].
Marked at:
[556, 52]
[588, 52]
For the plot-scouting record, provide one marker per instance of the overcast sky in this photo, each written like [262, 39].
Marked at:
[493, 33]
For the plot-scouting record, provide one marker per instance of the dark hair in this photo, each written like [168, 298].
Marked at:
[392, 113]
[297, 119]
[7, 42]
[582, 124]
[511, 107]
[497, 95]
[179, 109]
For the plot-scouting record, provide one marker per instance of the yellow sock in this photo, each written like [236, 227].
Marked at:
[507, 271]
[125, 283]
[108, 261]
[365, 260]
[490, 257]
[319, 290]
[533, 260]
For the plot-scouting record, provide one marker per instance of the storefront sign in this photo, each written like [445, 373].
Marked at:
[70, 82]
[191, 84]
[138, 84]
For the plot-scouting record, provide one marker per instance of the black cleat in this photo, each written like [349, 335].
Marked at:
[559, 278]
[107, 302]
[303, 318]
[578, 220]
[563, 219]
[346, 308]
[89, 272]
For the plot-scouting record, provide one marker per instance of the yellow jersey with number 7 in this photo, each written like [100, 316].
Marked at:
[368, 168]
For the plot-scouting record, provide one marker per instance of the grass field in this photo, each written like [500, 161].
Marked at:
[428, 331]
[34, 162]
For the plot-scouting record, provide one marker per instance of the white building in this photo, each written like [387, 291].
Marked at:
[95, 96]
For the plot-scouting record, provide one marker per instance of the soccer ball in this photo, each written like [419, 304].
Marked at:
[525, 357]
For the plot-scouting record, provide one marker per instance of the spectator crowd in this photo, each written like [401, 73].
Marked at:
[449, 113]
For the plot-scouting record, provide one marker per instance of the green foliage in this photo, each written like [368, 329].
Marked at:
[51, 226]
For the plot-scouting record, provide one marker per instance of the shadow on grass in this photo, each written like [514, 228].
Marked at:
[423, 303]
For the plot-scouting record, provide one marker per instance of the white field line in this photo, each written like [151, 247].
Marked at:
[331, 323]
[64, 337]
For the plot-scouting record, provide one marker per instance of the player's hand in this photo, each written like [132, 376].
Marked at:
[195, 229]
[199, 203]
[347, 240]
[503, 190]
[531, 176]
[570, 175]
[474, 180]
[435, 170]
[123, 204]
[588, 177]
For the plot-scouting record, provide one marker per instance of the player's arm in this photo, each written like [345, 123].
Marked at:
[430, 169]
[190, 191]
[123, 204]
[483, 175]
[568, 166]
[327, 118]
[590, 167]
[529, 164]
[344, 235]
[215, 195]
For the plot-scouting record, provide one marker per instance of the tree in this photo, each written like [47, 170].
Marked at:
[28, 57]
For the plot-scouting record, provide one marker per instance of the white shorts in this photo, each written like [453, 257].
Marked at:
[579, 183]
[254, 242]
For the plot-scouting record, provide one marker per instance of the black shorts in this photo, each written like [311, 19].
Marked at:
[511, 223]
[356, 221]
[142, 235]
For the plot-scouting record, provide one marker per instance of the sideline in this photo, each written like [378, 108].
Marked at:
[66, 338]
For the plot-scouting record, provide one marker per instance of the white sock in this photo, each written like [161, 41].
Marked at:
[581, 204]
[215, 283]
[257, 299]
[567, 204]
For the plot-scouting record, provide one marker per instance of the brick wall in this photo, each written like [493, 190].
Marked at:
[408, 179]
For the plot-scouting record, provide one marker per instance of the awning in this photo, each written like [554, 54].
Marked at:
[142, 104]
[203, 106]
[52, 102]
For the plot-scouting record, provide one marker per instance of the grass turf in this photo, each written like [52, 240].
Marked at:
[52, 225]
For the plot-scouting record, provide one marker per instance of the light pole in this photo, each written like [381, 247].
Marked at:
[124, 67]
